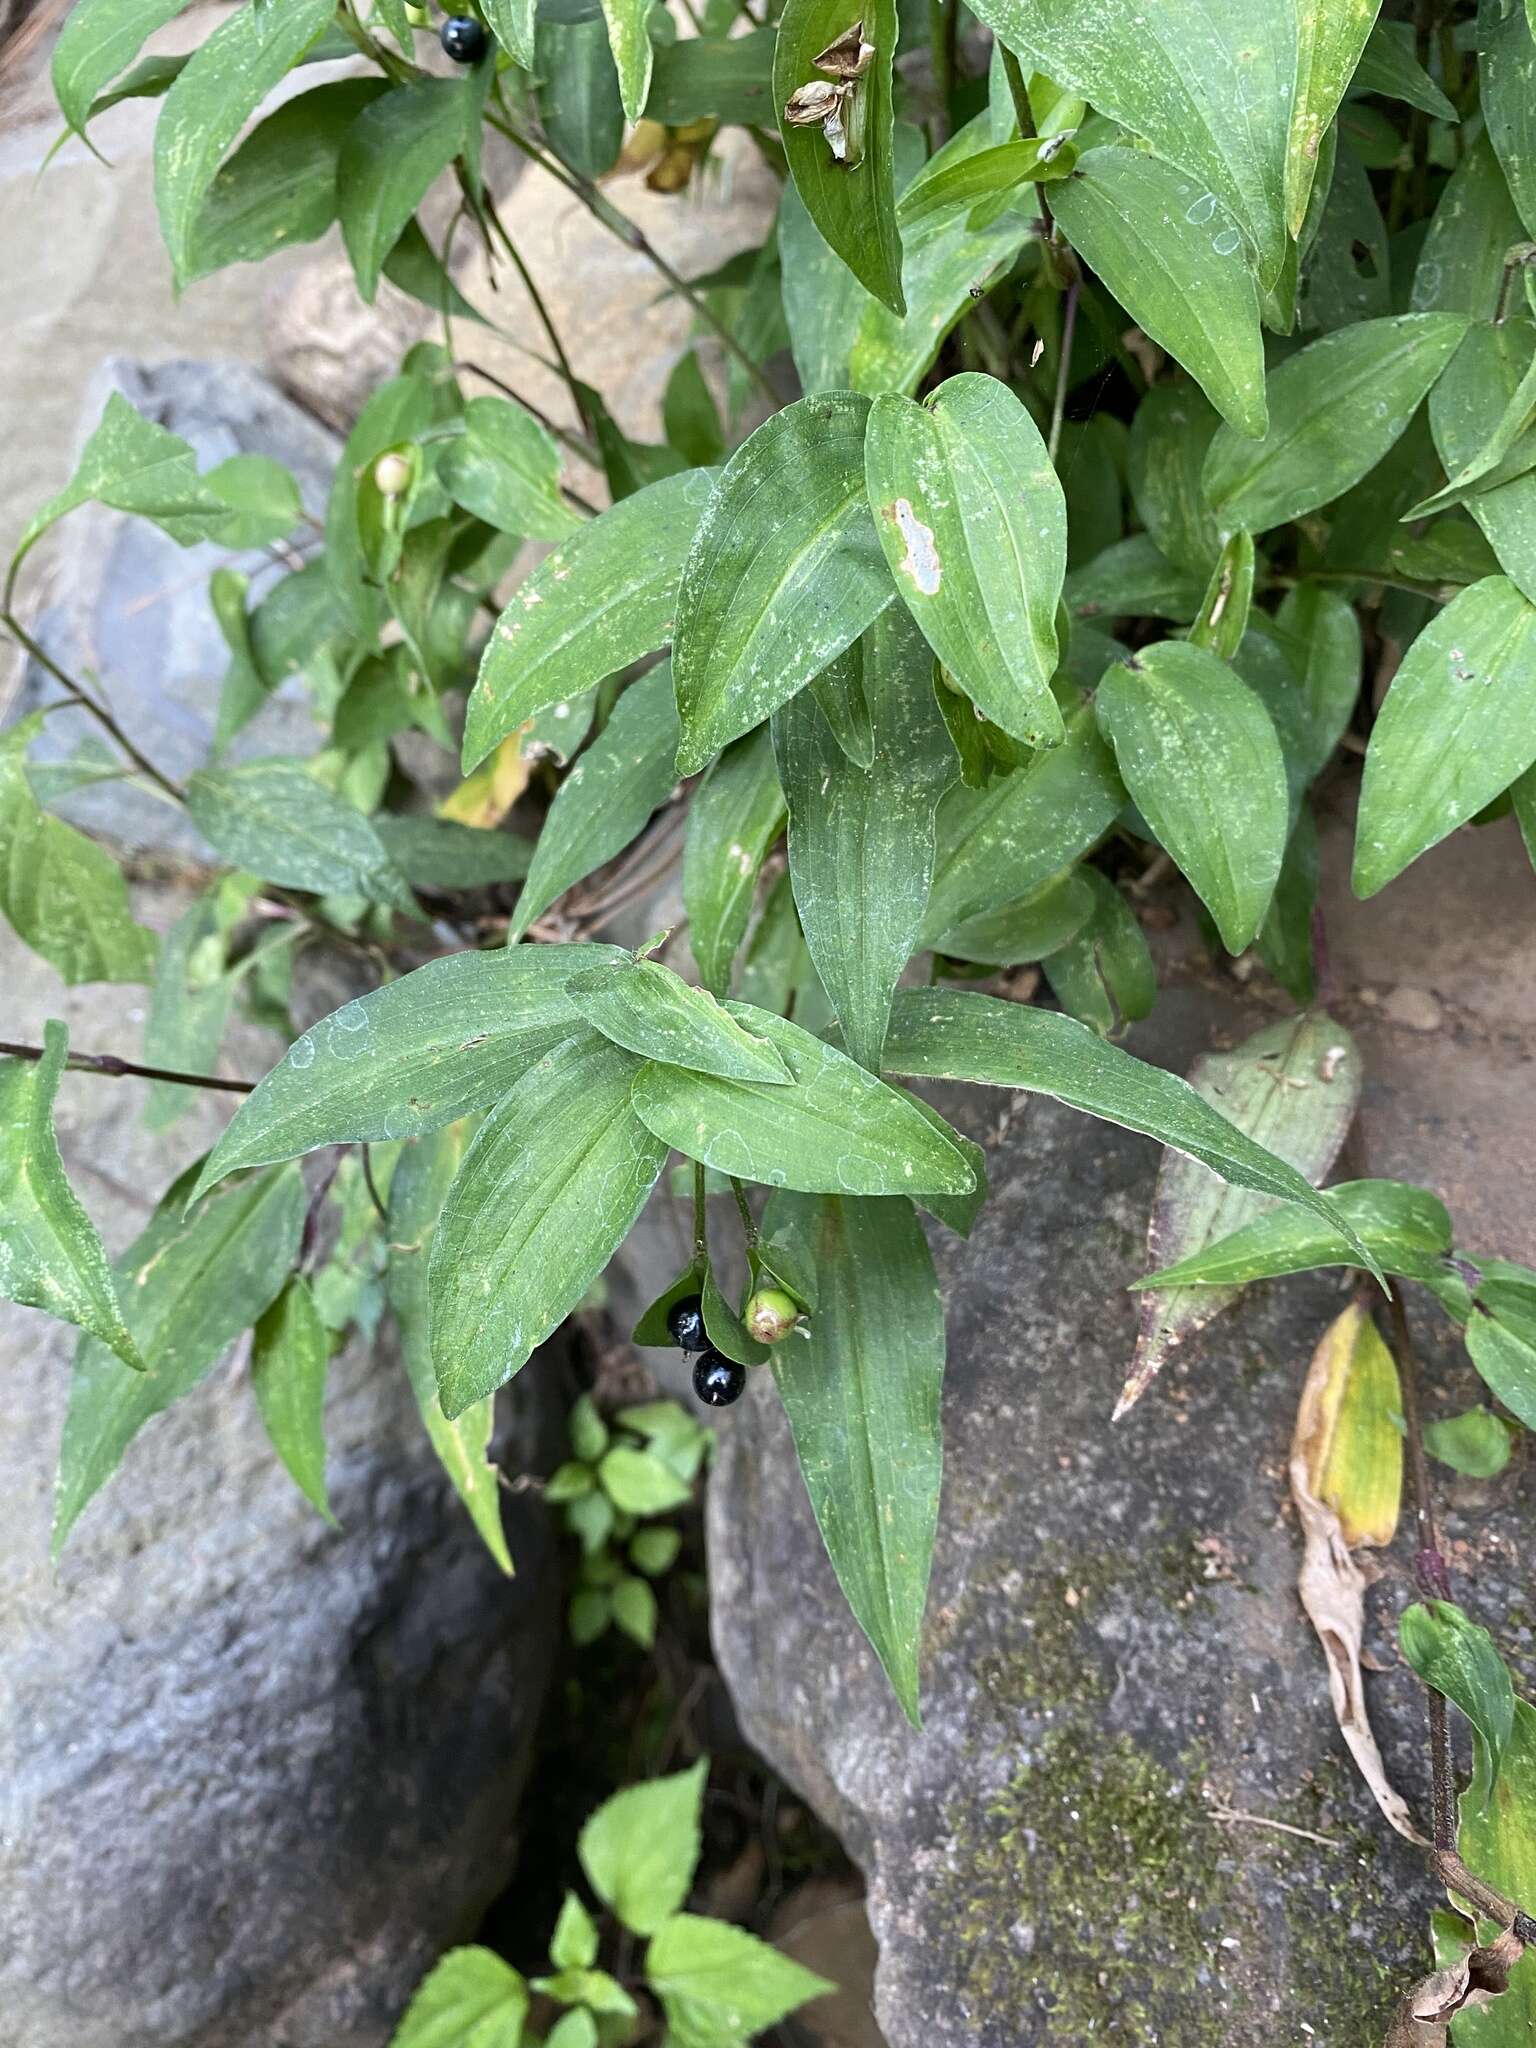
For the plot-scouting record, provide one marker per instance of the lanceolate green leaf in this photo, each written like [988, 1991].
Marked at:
[1390, 67]
[506, 470]
[965, 181]
[1501, 1339]
[1466, 407]
[1199, 755]
[862, 1397]
[1459, 1659]
[1293, 1088]
[549, 1187]
[1170, 253]
[734, 818]
[631, 46]
[1507, 68]
[99, 40]
[64, 895]
[836, 1129]
[601, 600]
[276, 821]
[621, 778]
[649, 1010]
[1170, 434]
[784, 572]
[853, 204]
[416, 1053]
[974, 527]
[861, 840]
[50, 1255]
[946, 1035]
[1497, 1836]
[1461, 260]
[945, 269]
[1335, 408]
[512, 25]
[1331, 36]
[1210, 89]
[416, 1196]
[393, 152]
[223, 83]
[290, 1349]
[1406, 1228]
[1000, 844]
[189, 1285]
[1458, 726]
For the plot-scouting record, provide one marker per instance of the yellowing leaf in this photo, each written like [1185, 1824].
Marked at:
[484, 798]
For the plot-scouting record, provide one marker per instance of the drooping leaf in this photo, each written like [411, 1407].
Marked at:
[506, 470]
[852, 202]
[417, 1192]
[1507, 75]
[784, 572]
[651, 1011]
[393, 153]
[1497, 1836]
[1199, 755]
[274, 820]
[278, 188]
[1484, 378]
[1457, 727]
[861, 840]
[1406, 1228]
[580, 105]
[1453, 1654]
[601, 600]
[189, 1285]
[1023, 931]
[1331, 36]
[945, 269]
[1001, 844]
[862, 1397]
[290, 1349]
[1174, 258]
[640, 1847]
[1210, 91]
[511, 22]
[717, 1983]
[549, 1187]
[947, 1035]
[1501, 1341]
[967, 181]
[1293, 1088]
[1388, 66]
[413, 1055]
[98, 41]
[630, 43]
[1335, 408]
[222, 84]
[835, 1129]
[607, 797]
[973, 524]
[471, 1999]
[50, 1254]
[734, 818]
[63, 894]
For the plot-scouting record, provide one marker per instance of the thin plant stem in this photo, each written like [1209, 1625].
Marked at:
[700, 1225]
[1064, 366]
[1018, 92]
[747, 1222]
[81, 696]
[114, 1068]
[546, 319]
[619, 224]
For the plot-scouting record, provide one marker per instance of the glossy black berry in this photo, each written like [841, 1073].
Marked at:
[718, 1381]
[685, 1319]
[463, 38]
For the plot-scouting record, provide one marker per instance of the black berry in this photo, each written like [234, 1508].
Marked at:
[685, 1319]
[463, 38]
[718, 1381]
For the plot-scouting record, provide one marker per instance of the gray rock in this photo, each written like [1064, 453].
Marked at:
[255, 1773]
[1115, 1651]
[129, 607]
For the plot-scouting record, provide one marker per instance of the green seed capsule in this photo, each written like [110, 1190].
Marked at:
[771, 1314]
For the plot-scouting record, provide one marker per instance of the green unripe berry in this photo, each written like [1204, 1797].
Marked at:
[392, 474]
[771, 1314]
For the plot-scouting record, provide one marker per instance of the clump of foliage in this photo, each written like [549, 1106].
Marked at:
[1111, 397]
[716, 1985]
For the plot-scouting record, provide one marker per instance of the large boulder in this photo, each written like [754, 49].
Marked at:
[1116, 1662]
[255, 1773]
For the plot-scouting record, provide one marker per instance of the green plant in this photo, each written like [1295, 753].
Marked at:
[1146, 382]
[715, 1984]
[613, 1488]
